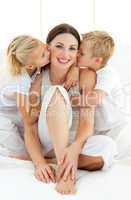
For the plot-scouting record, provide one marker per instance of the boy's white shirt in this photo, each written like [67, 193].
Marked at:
[110, 113]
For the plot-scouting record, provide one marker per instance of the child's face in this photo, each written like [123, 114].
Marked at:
[40, 57]
[85, 58]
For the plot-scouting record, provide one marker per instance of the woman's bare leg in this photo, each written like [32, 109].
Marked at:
[57, 121]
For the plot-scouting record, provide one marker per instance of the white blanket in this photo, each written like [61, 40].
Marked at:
[17, 181]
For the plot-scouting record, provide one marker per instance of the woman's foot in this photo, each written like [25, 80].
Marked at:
[66, 187]
[51, 160]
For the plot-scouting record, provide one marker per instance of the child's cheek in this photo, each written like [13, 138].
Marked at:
[81, 60]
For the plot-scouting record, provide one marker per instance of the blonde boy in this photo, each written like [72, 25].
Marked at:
[101, 84]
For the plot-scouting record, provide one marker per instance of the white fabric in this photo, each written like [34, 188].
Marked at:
[9, 98]
[11, 142]
[17, 181]
[111, 112]
[122, 137]
[101, 145]
[11, 126]
[107, 80]
[19, 84]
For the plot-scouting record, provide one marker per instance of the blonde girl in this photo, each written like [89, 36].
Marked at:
[26, 56]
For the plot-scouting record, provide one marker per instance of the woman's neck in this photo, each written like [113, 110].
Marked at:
[56, 77]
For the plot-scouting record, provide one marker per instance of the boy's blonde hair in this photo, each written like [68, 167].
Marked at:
[101, 44]
[18, 52]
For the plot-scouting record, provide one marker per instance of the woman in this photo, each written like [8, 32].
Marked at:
[72, 151]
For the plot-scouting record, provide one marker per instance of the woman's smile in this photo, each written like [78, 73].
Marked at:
[63, 60]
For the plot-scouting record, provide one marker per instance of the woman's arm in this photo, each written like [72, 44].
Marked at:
[43, 171]
[30, 132]
[84, 130]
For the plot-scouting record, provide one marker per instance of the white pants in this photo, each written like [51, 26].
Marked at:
[11, 142]
[97, 145]
[122, 136]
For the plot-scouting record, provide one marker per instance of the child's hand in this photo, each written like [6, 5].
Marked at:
[72, 77]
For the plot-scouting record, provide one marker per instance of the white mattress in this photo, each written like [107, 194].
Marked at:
[17, 181]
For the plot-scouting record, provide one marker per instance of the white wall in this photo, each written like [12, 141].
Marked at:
[18, 17]
[78, 13]
[86, 15]
[114, 16]
[37, 17]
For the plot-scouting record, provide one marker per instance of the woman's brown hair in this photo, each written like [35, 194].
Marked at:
[63, 28]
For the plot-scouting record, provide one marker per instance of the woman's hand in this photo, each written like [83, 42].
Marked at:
[44, 172]
[72, 77]
[69, 162]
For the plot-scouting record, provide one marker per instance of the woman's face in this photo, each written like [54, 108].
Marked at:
[63, 51]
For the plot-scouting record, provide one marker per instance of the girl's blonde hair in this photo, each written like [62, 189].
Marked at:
[18, 52]
[101, 44]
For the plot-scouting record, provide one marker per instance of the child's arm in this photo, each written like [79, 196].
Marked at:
[86, 117]
[89, 95]
[72, 77]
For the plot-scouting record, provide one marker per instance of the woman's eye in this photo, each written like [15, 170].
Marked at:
[43, 55]
[58, 46]
[73, 49]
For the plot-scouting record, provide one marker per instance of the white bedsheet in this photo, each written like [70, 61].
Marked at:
[17, 182]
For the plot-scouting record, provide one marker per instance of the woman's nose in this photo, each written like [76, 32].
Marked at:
[65, 53]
